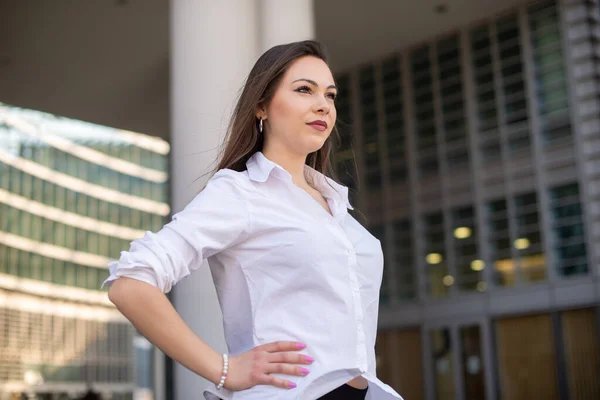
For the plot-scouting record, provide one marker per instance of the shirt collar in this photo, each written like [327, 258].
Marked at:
[260, 168]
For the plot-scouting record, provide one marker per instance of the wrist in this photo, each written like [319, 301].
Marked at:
[224, 372]
[215, 368]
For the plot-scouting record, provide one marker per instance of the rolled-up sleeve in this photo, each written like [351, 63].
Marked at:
[216, 219]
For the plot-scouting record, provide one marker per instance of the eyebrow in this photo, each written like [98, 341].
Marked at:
[314, 83]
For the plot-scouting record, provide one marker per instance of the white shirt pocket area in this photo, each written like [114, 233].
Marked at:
[216, 219]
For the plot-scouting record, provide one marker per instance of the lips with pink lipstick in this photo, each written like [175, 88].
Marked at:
[318, 125]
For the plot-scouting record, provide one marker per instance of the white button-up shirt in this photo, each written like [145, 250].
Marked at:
[284, 269]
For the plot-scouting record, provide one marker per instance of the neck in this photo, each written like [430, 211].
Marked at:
[290, 161]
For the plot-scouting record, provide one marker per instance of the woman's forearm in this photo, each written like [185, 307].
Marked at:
[153, 315]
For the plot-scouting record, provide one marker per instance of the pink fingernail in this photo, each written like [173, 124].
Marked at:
[309, 359]
[304, 371]
[291, 385]
[300, 345]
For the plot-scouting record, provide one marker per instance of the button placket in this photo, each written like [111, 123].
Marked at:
[361, 351]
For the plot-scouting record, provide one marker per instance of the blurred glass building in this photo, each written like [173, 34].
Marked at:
[478, 169]
[72, 196]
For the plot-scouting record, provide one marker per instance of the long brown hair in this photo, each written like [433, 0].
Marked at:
[243, 137]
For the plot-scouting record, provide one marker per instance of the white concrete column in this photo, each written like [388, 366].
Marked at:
[213, 48]
[284, 21]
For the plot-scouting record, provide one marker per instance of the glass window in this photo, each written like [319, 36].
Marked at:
[81, 276]
[37, 192]
[136, 185]
[59, 237]
[92, 243]
[519, 144]
[491, 151]
[37, 227]
[25, 224]
[81, 204]
[36, 266]
[5, 176]
[59, 271]
[528, 242]
[12, 220]
[61, 197]
[442, 363]
[424, 119]
[406, 283]
[568, 230]
[21, 261]
[49, 197]
[92, 278]
[550, 73]
[510, 57]
[3, 256]
[103, 245]
[70, 274]
[469, 266]
[27, 186]
[394, 114]
[92, 210]
[499, 243]
[4, 212]
[103, 208]
[435, 256]
[15, 181]
[450, 83]
[370, 127]
[114, 210]
[47, 266]
[70, 237]
[12, 260]
[157, 221]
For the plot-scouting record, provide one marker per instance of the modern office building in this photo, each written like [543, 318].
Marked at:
[478, 158]
[72, 196]
[470, 138]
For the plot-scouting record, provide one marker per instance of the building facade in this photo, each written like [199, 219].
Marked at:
[475, 159]
[72, 196]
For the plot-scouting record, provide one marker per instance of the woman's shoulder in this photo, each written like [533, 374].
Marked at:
[225, 188]
[230, 180]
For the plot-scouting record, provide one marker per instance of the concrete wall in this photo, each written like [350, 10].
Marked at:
[103, 61]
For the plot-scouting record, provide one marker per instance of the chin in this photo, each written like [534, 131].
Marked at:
[312, 147]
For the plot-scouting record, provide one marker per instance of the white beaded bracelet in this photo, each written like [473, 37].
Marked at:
[225, 367]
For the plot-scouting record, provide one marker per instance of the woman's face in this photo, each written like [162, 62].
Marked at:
[302, 113]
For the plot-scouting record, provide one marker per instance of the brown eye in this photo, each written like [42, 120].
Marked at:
[303, 89]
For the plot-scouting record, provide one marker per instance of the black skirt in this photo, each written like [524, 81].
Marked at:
[346, 392]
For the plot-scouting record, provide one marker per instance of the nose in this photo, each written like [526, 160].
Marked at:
[322, 106]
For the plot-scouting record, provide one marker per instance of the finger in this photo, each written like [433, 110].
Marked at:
[282, 383]
[289, 358]
[286, 369]
[282, 345]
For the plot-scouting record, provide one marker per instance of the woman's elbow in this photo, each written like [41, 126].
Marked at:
[115, 292]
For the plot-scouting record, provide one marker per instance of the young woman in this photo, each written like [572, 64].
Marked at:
[297, 277]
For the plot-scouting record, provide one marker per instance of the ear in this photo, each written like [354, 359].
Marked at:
[261, 113]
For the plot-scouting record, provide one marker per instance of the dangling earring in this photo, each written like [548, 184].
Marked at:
[260, 125]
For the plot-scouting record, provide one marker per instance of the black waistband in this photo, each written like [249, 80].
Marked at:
[346, 392]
